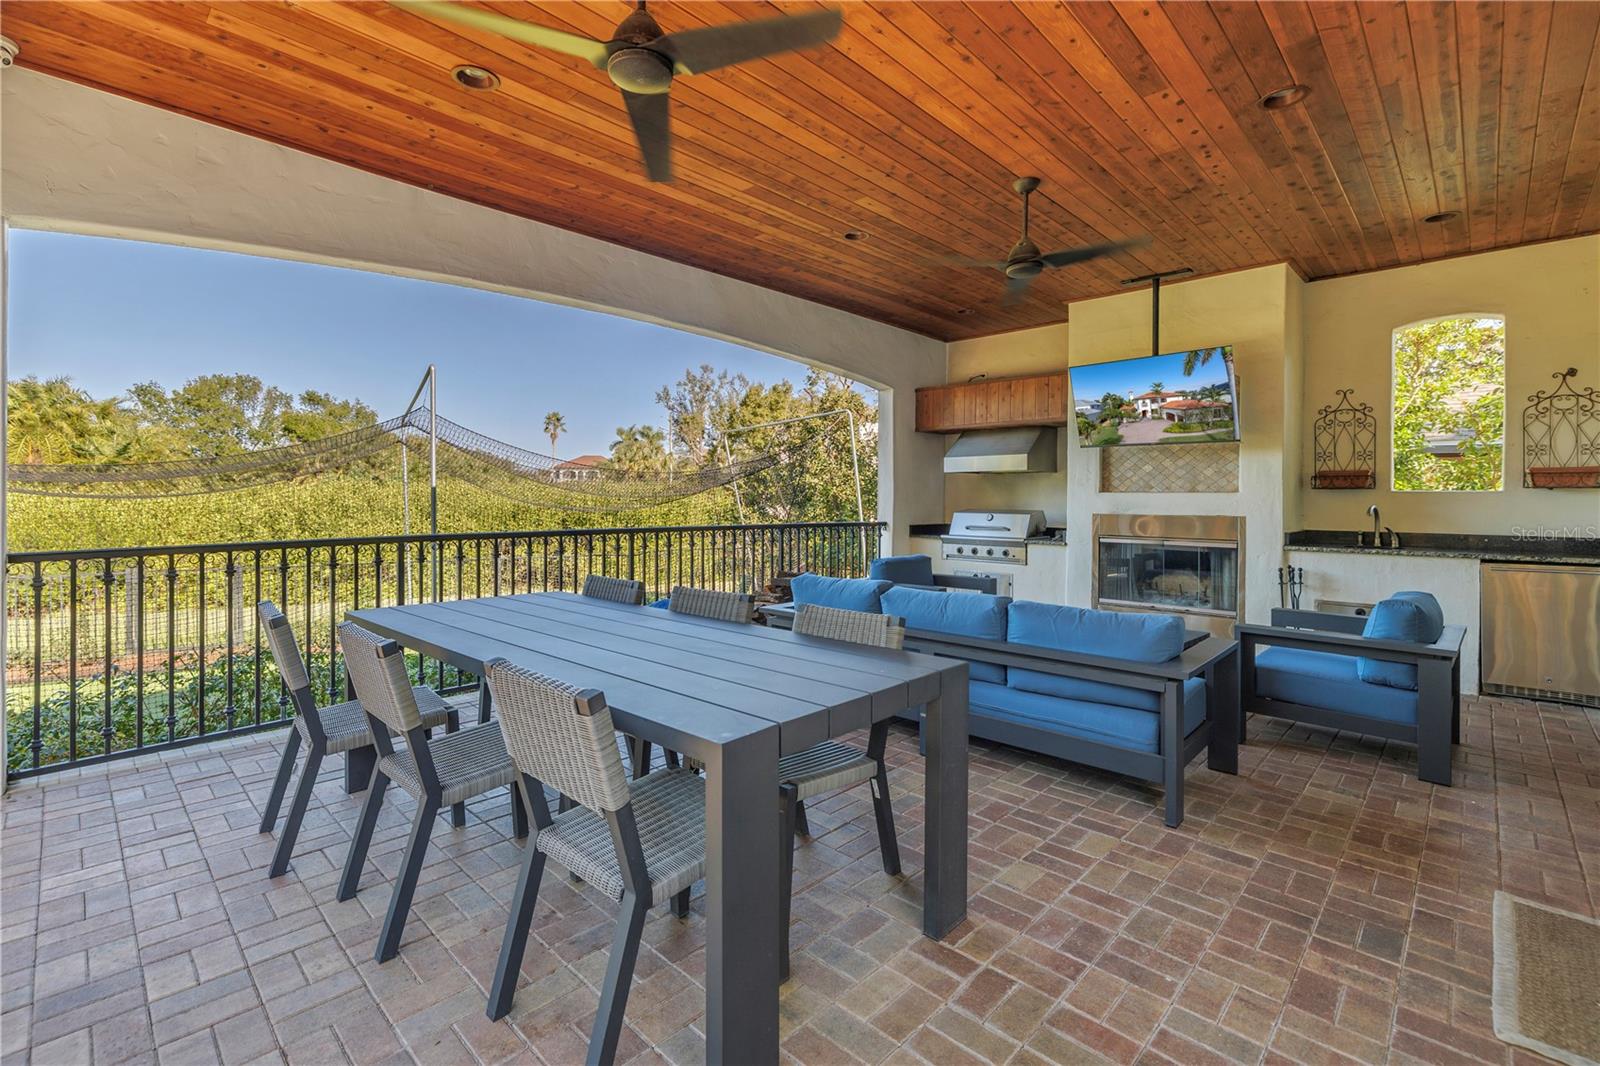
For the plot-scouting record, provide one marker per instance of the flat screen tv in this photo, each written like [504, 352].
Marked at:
[1177, 398]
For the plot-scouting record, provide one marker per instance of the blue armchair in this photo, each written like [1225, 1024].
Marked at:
[917, 572]
[1395, 674]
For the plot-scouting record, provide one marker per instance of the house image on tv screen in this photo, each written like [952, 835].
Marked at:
[1177, 398]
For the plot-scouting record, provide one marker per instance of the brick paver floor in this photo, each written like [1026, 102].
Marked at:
[1323, 906]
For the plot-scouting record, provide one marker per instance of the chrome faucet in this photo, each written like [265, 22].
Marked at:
[1361, 538]
[1394, 538]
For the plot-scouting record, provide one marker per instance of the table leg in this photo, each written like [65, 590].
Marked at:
[742, 900]
[944, 883]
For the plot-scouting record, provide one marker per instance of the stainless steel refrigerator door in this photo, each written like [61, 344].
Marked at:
[1541, 629]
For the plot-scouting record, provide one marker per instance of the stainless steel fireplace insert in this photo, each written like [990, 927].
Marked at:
[1182, 564]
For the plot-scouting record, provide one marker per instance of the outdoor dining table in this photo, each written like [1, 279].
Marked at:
[736, 697]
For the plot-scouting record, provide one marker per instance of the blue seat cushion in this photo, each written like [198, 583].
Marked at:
[1431, 609]
[1140, 637]
[1143, 638]
[1330, 681]
[965, 614]
[845, 593]
[662, 602]
[1394, 619]
[903, 569]
[1105, 723]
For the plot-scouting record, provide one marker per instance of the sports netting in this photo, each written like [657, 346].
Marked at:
[495, 466]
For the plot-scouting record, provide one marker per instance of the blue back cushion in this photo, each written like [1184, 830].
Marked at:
[1393, 619]
[845, 593]
[903, 569]
[967, 614]
[1146, 638]
[1431, 609]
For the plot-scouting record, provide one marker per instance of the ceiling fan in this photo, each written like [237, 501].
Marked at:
[642, 60]
[1025, 261]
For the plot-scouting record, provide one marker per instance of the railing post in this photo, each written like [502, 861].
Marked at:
[172, 647]
[231, 572]
[38, 661]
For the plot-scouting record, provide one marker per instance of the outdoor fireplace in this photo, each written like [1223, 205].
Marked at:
[1170, 563]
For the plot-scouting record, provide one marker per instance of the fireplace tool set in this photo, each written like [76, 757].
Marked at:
[1290, 581]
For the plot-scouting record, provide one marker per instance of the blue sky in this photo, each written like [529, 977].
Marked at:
[110, 313]
[1089, 383]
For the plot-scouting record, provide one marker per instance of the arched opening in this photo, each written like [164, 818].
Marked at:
[1448, 402]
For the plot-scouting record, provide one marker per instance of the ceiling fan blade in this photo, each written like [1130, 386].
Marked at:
[1016, 289]
[711, 47]
[649, 115]
[1091, 251]
[524, 32]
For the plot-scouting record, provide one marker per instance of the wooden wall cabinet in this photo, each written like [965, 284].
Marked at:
[1002, 403]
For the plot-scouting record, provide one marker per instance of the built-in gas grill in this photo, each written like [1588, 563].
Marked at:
[991, 536]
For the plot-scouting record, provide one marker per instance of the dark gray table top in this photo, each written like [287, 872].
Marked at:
[687, 683]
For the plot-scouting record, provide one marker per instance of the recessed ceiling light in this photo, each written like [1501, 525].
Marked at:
[1442, 216]
[1288, 96]
[854, 235]
[478, 78]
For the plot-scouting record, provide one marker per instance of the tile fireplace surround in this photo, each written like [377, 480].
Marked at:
[1188, 565]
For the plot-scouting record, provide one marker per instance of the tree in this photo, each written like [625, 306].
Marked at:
[1157, 386]
[812, 478]
[321, 415]
[1449, 385]
[217, 414]
[1198, 357]
[639, 450]
[1111, 406]
[694, 403]
[554, 426]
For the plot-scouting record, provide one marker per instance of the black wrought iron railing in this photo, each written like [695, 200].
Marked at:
[111, 652]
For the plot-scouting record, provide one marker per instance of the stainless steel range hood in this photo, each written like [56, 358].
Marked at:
[1029, 450]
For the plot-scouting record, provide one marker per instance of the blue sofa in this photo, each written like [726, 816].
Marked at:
[1395, 674]
[1114, 690]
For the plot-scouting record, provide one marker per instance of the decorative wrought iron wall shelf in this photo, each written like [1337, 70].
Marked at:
[1345, 444]
[1561, 437]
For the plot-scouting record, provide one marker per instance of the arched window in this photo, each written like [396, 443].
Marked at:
[1450, 404]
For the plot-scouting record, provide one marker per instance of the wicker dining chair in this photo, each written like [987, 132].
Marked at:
[622, 590]
[615, 589]
[699, 603]
[449, 770]
[833, 765]
[708, 603]
[640, 842]
[338, 729]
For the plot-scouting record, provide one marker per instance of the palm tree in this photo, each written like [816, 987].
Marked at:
[1197, 357]
[639, 449]
[554, 426]
[1157, 386]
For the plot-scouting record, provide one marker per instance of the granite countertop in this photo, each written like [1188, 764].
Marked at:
[1483, 547]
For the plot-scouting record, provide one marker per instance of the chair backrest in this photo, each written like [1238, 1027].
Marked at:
[615, 589]
[377, 669]
[285, 651]
[856, 627]
[560, 735]
[706, 603]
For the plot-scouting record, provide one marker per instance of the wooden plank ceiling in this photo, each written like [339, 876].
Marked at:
[1142, 118]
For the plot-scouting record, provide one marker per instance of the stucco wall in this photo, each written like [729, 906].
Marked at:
[1550, 297]
[78, 159]
[1249, 309]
